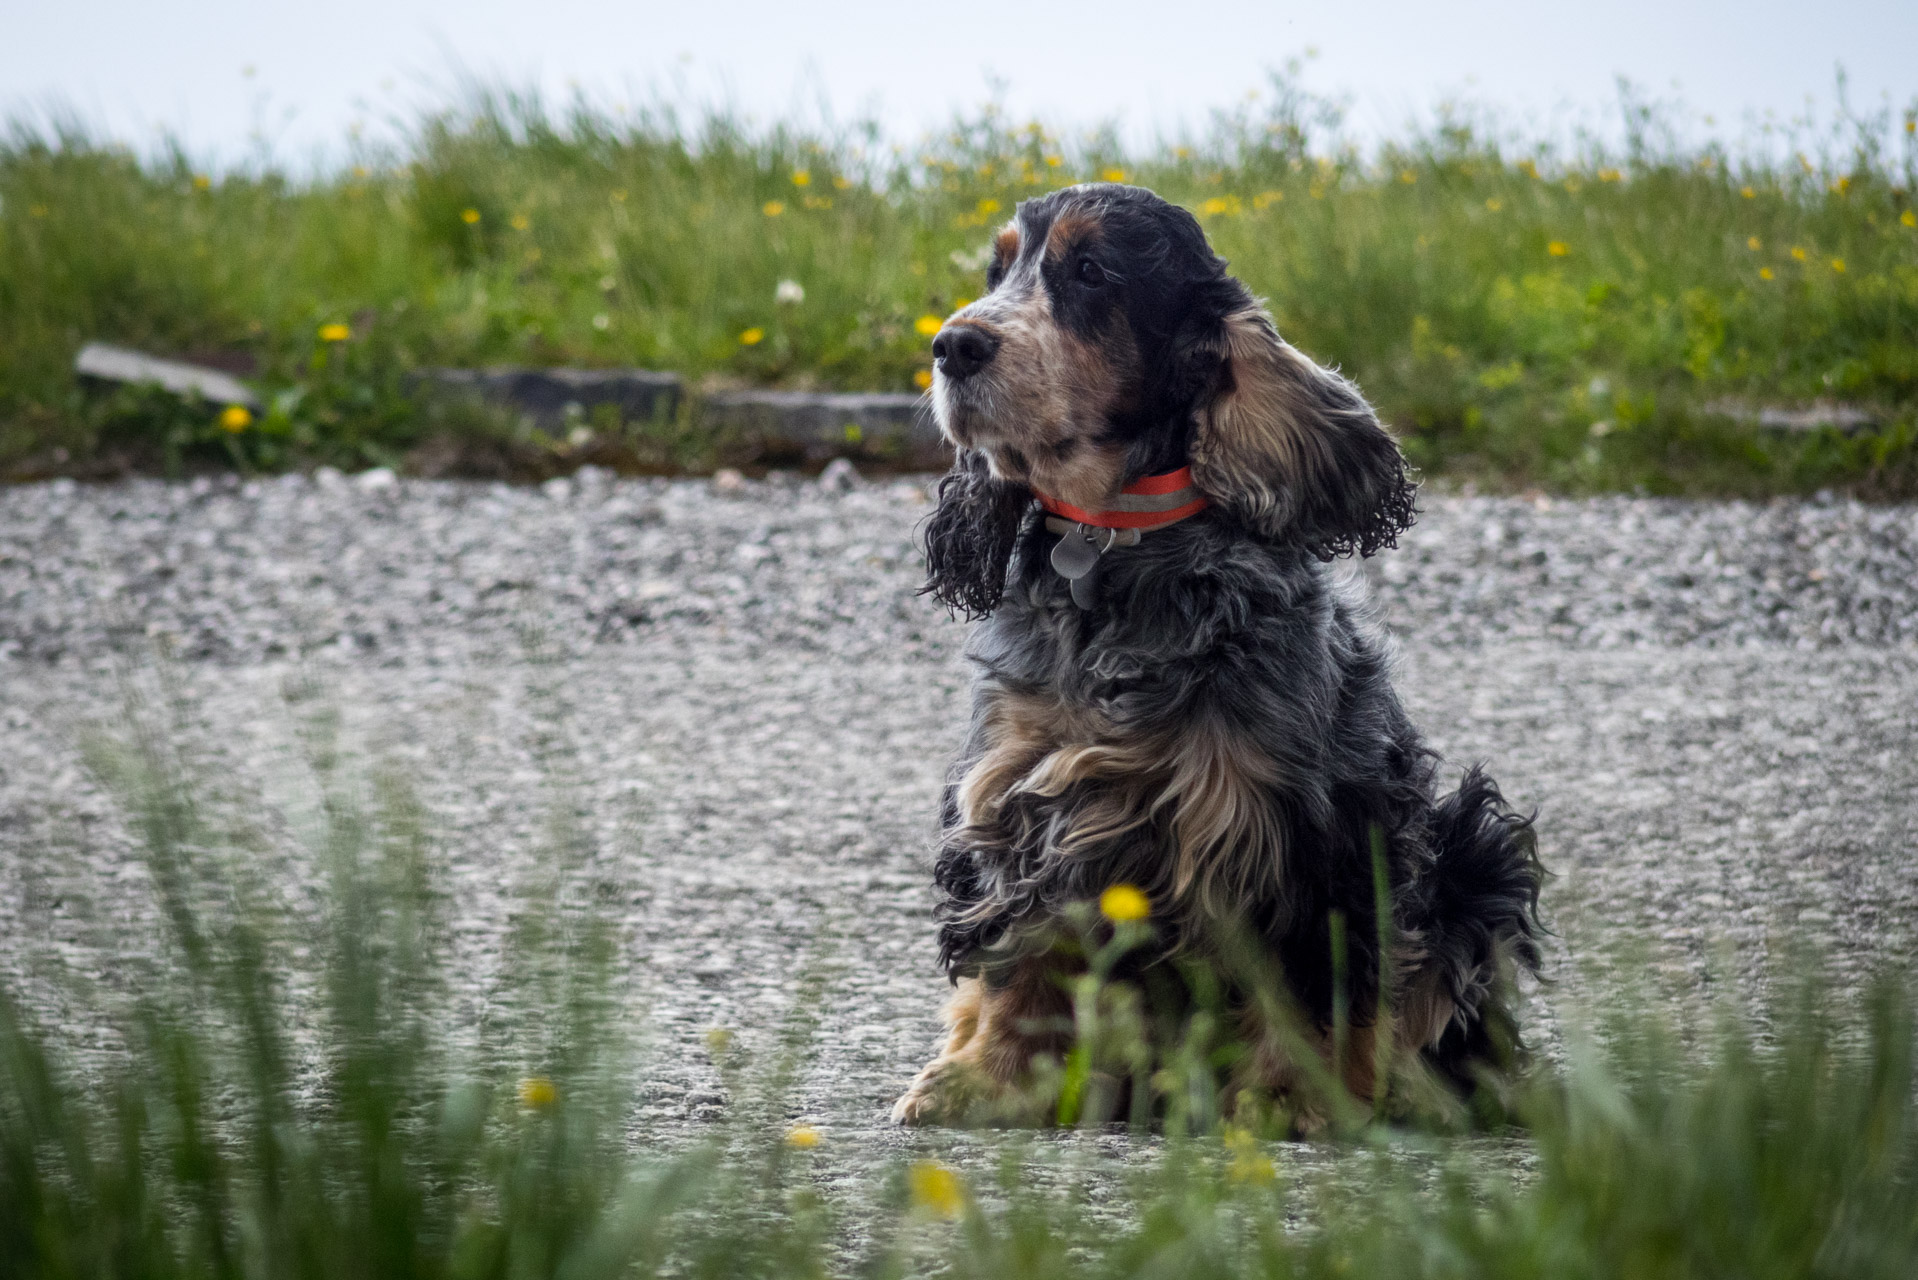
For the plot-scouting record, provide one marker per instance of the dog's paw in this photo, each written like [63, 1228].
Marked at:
[946, 1092]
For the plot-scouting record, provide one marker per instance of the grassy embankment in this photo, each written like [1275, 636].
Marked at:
[1523, 315]
[285, 1085]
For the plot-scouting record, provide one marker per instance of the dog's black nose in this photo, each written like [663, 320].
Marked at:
[962, 350]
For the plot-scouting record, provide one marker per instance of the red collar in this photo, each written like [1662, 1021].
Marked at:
[1151, 502]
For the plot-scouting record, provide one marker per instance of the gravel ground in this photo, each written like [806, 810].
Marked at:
[742, 705]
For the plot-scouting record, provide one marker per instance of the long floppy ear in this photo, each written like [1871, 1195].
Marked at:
[1293, 449]
[970, 536]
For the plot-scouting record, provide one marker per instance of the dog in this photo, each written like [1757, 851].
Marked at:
[1176, 688]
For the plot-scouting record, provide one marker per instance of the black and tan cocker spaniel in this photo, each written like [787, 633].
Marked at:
[1176, 689]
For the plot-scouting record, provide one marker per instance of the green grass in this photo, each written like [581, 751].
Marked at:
[1526, 314]
[287, 1089]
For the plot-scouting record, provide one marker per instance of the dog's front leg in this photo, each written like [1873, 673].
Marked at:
[996, 1027]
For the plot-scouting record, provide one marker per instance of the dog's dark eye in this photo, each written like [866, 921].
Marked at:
[1091, 274]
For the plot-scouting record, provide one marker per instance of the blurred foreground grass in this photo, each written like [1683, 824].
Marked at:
[1525, 314]
[289, 1089]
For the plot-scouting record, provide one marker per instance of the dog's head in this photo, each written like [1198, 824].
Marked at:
[1112, 344]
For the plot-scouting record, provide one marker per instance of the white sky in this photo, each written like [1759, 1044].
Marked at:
[137, 68]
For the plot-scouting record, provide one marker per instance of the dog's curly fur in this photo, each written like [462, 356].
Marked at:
[1220, 728]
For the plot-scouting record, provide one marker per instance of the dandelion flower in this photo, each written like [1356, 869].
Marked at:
[1112, 175]
[1909, 218]
[1748, 193]
[335, 333]
[201, 182]
[927, 325]
[520, 222]
[1123, 903]
[933, 1186]
[790, 292]
[752, 337]
[236, 418]
[1765, 273]
[1610, 175]
[988, 206]
[1558, 248]
[1797, 253]
[1838, 265]
[470, 217]
[1494, 204]
[802, 178]
[1754, 244]
[1841, 185]
[773, 208]
[537, 1092]
[1053, 162]
[802, 1136]
[841, 182]
[922, 378]
[1407, 177]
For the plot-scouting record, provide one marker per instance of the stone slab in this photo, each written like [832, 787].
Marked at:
[551, 396]
[104, 362]
[814, 427]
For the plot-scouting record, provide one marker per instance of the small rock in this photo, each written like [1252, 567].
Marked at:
[376, 478]
[559, 488]
[840, 476]
[727, 480]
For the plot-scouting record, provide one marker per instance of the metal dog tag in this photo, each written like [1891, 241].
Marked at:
[1076, 554]
[1085, 588]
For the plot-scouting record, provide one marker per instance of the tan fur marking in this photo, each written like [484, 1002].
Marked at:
[1252, 440]
[1005, 245]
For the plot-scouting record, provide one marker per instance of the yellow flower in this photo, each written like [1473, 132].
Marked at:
[988, 206]
[1227, 205]
[1909, 218]
[1754, 243]
[841, 182]
[469, 216]
[1841, 186]
[1765, 273]
[935, 1187]
[773, 208]
[520, 221]
[1609, 175]
[922, 378]
[537, 1092]
[1112, 175]
[928, 325]
[201, 182]
[1911, 126]
[1123, 903]
[236, 418]
[1797, 253]
[752, 337]
[1265, 198]
[334, 333]
[802, 178]
[1053, 162]
[1407, 177]
[960, 304]
[1527, 168]
[1558, 248]
[802, 1136]
[1748, 193]
[1495, 204]
[1838, 265]
[619, 195]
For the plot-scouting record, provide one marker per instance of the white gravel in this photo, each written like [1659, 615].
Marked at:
[746, 709]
